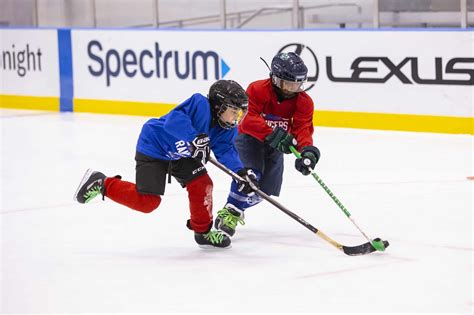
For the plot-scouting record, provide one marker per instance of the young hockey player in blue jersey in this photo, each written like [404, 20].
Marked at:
[179, 144]
[280, 115]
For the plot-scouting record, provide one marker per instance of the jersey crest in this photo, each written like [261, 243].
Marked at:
[274, 121]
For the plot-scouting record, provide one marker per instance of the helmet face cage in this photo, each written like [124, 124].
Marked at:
[289, 86]
[229, 116]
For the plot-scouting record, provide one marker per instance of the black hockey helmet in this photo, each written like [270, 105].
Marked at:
[288, 72]
[229, 103]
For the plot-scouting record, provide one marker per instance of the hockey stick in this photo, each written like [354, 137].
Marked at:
[362, 249]
[376, 243]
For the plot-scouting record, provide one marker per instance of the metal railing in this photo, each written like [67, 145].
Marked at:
[382, 13]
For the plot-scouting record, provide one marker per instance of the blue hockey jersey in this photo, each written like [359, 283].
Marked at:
[169, 137]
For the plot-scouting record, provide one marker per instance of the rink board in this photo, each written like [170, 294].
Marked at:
[393, 80]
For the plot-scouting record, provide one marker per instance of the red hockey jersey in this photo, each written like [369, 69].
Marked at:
[295, 115]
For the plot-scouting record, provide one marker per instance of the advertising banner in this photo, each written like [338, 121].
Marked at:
[410, 72]
[29, 62]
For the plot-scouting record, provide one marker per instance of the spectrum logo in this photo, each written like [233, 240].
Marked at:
[155, 63]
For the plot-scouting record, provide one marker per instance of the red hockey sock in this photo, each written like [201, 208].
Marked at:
[200, 203]
[126, 194]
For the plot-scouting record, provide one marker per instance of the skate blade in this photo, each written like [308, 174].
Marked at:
[84, 179]
[210, 247]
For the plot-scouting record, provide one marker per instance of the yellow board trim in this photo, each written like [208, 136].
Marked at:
[361, 120]
[122, 107]
[29, 102]
[401, 122]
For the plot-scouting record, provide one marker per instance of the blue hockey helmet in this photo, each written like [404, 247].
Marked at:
[229, 103]
[288, 72]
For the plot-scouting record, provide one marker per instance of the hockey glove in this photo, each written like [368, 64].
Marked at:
[309, 157]
[281, 140]
[249, 177]
[200, 149]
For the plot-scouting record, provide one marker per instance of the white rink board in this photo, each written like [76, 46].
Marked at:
[29, 62]
[399, 56]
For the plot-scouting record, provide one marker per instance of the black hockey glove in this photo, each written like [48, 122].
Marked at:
[309, 157]
[200, 149]
[249, 177]
[281, 140]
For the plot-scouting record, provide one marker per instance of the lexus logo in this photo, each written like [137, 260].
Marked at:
[310, 60]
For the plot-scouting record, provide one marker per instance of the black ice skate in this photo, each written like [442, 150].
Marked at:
[212, 239]
[228, 218]
[92, 184]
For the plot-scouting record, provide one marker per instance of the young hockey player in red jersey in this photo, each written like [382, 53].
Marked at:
[179, 144]
[280, 115]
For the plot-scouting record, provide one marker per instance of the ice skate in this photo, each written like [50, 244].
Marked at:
[228, 218]
[92, 185]
[212, 239]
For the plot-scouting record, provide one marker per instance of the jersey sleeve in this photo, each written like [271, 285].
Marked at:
[302, 127]
[225, 151]
[254, 123]
[179, 123]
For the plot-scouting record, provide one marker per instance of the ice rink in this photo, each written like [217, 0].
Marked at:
[62, 257]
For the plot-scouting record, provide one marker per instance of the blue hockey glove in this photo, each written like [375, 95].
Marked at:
[281, 140]
[200, 149]
[309, 157]
[249, 177]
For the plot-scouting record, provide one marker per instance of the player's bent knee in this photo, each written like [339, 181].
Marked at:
[149, 204]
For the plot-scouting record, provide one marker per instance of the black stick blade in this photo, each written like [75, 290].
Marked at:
[363, 249]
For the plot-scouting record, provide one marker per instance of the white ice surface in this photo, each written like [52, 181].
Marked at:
[62, 257]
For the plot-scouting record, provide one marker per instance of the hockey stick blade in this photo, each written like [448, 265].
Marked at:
[363, 249]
